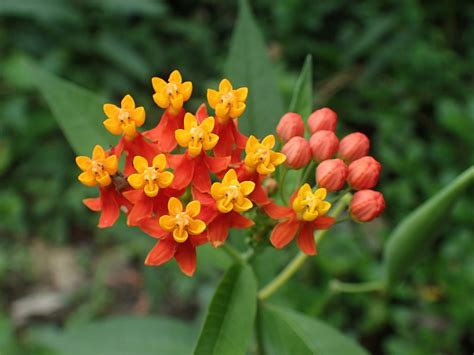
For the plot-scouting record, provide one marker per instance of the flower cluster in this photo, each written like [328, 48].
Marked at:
[193, 177]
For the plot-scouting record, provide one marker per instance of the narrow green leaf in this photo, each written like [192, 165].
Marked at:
[302, 100]
[120, 336]
[77, 110]
[419, 227]
[229, 322]
[248, 65]
[285, 331]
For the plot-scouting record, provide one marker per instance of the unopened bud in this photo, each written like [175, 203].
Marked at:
[269, 185]
[323, 145]
[364, 173]
[354, 146]
[291, 125]
[298, 152]
[366, 205]
[331, 174]
[323, 119]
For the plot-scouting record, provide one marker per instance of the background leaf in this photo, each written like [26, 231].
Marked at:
[420, 226]
[229, 322]
[121, 336]
[302, 99]
[287, 332]
[248, 65]
[77, 110]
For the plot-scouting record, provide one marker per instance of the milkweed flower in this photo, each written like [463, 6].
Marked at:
[297, 152]
[171, 96]
[150, 186]
[323, 119]
[353, 146]
[260, 161]
[307, 214]
[364, 173]
[181, 233]
[222, 209]
[291, 125]
[366, 205]
[100, 170]
[194, 165]
[228, 104]
[331, 174]
[125, 119]
[323, 145]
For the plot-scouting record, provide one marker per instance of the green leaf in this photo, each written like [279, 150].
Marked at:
[419, 227]
[302, 100]
[229, 322]
[121, 336]
[77, 110]
[248, 65]
[285, 331]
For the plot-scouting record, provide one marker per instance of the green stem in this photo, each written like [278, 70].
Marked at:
[338, 286]
[281, 185]
[305, 173]
[300, 258]
[232, 252]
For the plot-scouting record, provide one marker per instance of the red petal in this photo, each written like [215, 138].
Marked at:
[276, 211]
[141, 210]
[283, 233]
[151, 227]
[118, 149]
[324, 222]
[134, 196]
[218, 230]
[239, 138]
[93, 204]
[239, 221]
[198, 239]
[201, 113]
[186, 258]
[160, 203]
[305, 239]
[201, 179]
[225, 145]
[163, 133]
[110, 207]
[204, 197]
[217, 164]
[208, 213]
[162, 252]
[259, 196]
[183, 172]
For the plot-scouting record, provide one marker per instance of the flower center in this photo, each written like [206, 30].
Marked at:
[262, 154]
[124, 116]
[150, 174]
[227, 98]
[171, 89]
[98, 167]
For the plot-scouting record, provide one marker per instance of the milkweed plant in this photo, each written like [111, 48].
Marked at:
[196, 176]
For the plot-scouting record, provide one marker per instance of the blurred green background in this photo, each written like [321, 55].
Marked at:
[399, 71]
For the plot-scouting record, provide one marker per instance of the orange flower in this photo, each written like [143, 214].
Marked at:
[173, 94]
[181, 232]
[125, 119]
[307, 214]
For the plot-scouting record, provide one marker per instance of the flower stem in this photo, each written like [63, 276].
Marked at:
[305, 173]
[300, 258]
[232, 252]
[338, 286]
[281, 186]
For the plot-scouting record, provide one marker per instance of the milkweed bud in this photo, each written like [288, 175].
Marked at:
[290, 125]
[364, 173]
[323, 119]
[366, 205]
[331, 174]
[354, 146]
[323, 145]
[298, 152]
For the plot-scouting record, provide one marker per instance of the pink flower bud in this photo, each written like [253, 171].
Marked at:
[366, 205]
[354, 146]
[364, 173]
[290, 125]
[298, 152]
[324, 145]
[331, 174]
[323, 119]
